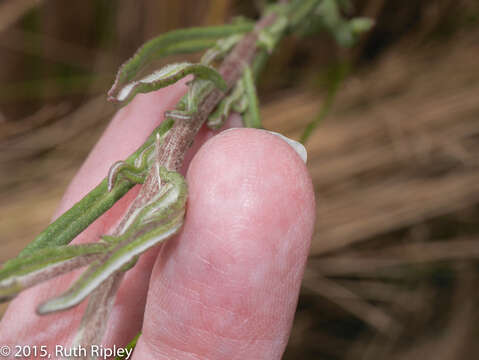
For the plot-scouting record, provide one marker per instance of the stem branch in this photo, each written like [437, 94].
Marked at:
[183, 132]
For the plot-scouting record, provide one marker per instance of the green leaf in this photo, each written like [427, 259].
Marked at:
[300, 10]
[361, 24]
[251, 117]
[131, 346]
[327, 15]
[23, 272]
[175, 42]
[35, 261]
[90, 207]
[333, 79]
[155, 222]
[166, 76]
[225, 107]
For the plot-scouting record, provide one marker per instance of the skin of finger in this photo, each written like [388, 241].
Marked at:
[127, 316]
[128, 129]
[227, 286]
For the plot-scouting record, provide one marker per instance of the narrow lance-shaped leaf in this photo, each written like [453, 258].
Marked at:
[328, 15]
[95, 318]
[225, 107]
[251, 117]
[169, 75]
[300, 10]
[130, 347]
[335, 78]
[157, 221]
[90, 207]
[174, 42]
[101, 270]
[21, 273]
[360, 25]
[186, 47]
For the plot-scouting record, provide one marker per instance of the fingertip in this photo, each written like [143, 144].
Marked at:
[228, 285]
[258, 182]
[257, 160]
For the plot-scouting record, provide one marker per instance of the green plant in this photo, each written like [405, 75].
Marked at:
[241, 50]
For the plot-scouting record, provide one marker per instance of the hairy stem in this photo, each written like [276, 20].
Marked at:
[183, 132]
[172, 151]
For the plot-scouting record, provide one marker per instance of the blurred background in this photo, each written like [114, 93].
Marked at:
[393, 270]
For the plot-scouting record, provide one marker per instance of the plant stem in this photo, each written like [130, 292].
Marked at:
[183, 132]
[172, 151]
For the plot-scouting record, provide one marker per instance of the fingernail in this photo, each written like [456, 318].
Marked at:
[298, 147]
